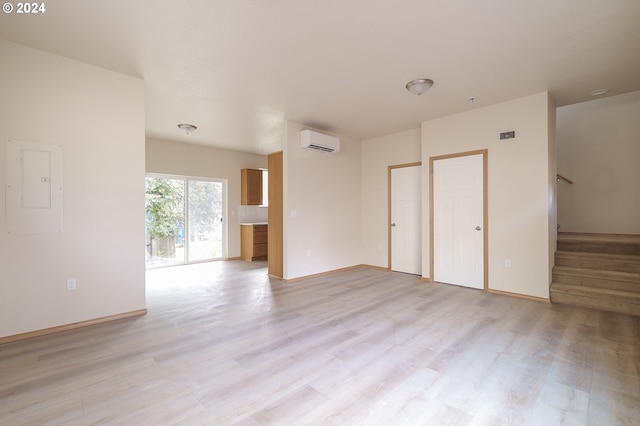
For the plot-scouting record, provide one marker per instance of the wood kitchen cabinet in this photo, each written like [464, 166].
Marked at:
[253, 244]
[251, 182]
[276, 216]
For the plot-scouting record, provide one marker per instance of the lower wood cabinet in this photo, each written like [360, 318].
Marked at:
[253, 242]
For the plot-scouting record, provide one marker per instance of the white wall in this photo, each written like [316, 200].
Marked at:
[599, 150]
[98, 118]
[324, 190]
[377, 155]
[552, 184]
[519, 187]
[175, 158]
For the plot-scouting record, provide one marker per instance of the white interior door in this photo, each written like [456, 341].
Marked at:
[406, 234]
[458, 210]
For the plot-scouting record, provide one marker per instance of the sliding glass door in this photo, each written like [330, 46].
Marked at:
[184, 220]
[205, 220]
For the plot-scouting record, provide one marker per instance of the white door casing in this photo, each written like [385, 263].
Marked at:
[405, 222]
[458, 220]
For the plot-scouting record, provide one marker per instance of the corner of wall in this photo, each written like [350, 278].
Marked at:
[322, 206]
[103, 174]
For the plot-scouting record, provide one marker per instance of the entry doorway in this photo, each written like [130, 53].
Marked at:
[405, 227]
[458, 211]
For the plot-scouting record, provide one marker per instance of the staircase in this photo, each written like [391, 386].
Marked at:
[597, 271]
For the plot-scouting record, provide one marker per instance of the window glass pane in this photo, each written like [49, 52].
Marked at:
[265, 188]
[205, 220]
[165, 221]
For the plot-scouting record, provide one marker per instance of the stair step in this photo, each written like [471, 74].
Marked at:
[600, 271]
[625, 302]
[605, 261]
[613, 280]
[599, 243]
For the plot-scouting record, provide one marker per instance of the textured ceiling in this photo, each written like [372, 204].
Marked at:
[239, 68]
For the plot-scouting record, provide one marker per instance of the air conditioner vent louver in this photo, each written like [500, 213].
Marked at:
[319, 141]
[321, 148]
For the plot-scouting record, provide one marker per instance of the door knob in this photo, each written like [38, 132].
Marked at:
[393, 224]
[478, 228]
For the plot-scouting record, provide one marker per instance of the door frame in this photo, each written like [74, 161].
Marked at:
[389, 200]
[485, 210]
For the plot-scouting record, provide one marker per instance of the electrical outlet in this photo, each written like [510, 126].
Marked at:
[507, 263]
[71, 284]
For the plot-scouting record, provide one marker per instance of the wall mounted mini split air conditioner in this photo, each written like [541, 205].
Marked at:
[310, 139]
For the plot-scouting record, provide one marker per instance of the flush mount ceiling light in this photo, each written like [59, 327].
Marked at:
[599, 92]
[187, 128]
[419, 86]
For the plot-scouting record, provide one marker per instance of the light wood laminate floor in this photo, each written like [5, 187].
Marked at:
[225, 344]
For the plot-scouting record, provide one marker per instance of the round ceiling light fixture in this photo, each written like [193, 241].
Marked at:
[599, 92]
[419, 86]
[187, 128]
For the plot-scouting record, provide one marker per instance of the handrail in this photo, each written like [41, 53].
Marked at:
[558, 177]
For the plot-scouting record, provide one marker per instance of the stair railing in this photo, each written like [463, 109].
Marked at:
[560, 177]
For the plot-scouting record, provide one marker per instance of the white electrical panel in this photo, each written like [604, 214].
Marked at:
[34, 188]
[36, 179]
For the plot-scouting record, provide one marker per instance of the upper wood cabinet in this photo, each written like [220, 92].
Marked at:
[251, 187]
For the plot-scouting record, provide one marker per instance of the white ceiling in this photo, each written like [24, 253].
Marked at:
[238, 68]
